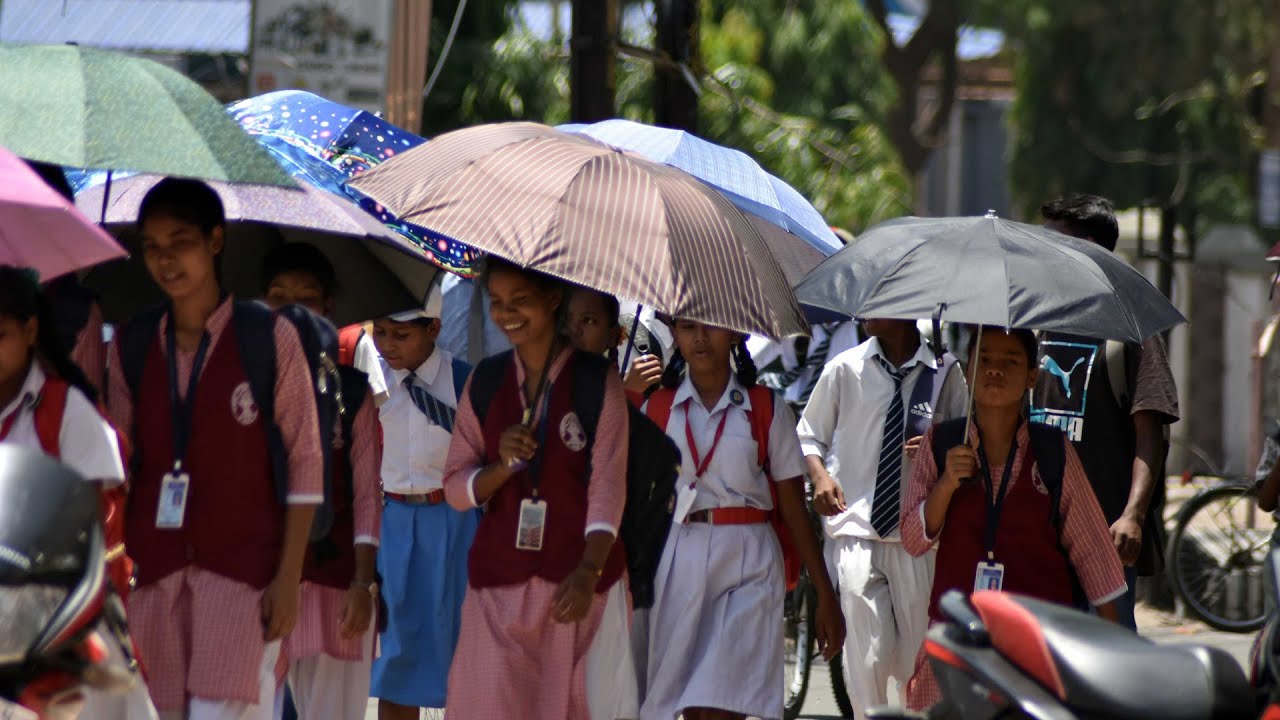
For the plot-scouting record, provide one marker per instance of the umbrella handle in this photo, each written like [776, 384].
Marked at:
[937, 331]
[106, 197]
[631, 340]
[973, 383]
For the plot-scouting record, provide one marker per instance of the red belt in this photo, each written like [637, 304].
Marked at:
[435, 497]
[729, 516]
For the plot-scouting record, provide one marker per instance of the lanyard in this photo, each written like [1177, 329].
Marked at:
[996, 506]
[700, 465]
[535, 464]
[181, 410]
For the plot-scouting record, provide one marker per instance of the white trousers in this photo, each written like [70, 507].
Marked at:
[264, 709]
[611, 670]
[884, 594]
[325, 688]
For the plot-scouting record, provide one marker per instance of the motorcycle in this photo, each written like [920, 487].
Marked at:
[1000, 655]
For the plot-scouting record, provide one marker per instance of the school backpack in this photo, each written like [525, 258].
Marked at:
[47, 415]
[254, 325]
[653, 464]
[349, 339]
[1047, 443]
[760, 416]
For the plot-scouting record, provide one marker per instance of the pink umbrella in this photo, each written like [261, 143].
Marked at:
[40, 229]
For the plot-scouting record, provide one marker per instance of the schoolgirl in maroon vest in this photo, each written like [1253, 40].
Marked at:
[990, 511]
[715, 643]
[544, 556]
[219, 554]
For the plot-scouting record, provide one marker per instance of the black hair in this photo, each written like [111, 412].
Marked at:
[189, 201]
[300, 257]
[744, 367]
[1089, 217]
[1025, 338]
[54, 177]
[22, 299]
[546, 283]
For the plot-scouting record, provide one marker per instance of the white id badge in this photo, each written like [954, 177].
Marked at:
[533, 520]
[685, 495]
[990, 576]
[173, 500]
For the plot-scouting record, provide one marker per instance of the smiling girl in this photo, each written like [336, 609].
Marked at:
[544, 559]
[990, 508]
[715, 640]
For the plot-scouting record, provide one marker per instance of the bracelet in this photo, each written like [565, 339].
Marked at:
[597, 571]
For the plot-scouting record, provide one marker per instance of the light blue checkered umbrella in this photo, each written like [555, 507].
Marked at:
[752, 188]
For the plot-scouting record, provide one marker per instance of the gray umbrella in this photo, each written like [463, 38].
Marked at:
[987, 271]
[378, 271]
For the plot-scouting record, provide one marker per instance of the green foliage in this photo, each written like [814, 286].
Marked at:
[1144, 102]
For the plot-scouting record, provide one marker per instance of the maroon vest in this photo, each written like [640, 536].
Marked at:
[1027, 543]
[494, 559]
[332, 561]
[234, 522]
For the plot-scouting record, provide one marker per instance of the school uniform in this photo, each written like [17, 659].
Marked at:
[715, 634]
[87, 443]
[196, 612]
[884, 590]
[368, 361]
[328, 673]
[513, 660]
[422, 556]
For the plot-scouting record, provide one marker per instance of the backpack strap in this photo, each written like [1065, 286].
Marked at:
[946, 435]
[587, 398]
[255, 326]
[659, 407]
[761, 418]
[485, 381]
[461, 371]
[945, 363]
[349, 339]
[134, 340]
[48, 413]
[1051, 457]
[355, 386]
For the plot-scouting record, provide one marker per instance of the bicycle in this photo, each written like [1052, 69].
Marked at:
[1215, 556]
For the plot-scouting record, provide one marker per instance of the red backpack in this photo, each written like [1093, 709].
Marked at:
[349, 339]
[761, 418]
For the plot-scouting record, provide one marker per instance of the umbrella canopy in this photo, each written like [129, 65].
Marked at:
[582, 211]
[752, 188]
[326, 143]
[381, 272]
[86, 108]
[988, 271]
[41, 230]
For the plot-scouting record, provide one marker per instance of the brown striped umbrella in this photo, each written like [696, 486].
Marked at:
[582, 211]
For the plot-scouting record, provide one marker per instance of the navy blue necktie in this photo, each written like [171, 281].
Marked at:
[886, 502]
[437, 412]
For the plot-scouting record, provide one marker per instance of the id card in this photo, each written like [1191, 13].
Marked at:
[990, 576]
[173, 500]
[685, 495]
[533, 520]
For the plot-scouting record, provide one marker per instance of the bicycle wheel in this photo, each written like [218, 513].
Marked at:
[836, 666]
[1216, 554]
[798, 642]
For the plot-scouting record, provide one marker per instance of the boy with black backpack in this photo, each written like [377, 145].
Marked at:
[330, 652]
[226, 476]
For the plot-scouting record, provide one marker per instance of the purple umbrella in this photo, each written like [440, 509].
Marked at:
[41, 230]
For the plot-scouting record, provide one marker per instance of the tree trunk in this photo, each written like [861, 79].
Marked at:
[675, 100]
[592, 61]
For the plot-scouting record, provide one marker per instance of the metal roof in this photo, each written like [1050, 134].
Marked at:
[177, 26]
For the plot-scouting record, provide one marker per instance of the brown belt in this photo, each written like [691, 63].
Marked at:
[435, 497]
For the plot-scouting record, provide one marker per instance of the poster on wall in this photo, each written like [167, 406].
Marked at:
[335, 48]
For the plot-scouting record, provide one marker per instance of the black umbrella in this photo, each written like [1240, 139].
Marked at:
[987, 271]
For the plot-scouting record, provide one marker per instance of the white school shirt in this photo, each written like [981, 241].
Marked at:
[413, 448]
[764, 351]
[844, 425]
[732, 479]
[86, 442]
[368, 361]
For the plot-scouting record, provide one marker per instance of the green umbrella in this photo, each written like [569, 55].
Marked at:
[86, 108]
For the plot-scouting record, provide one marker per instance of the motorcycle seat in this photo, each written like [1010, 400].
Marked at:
[1099, 669]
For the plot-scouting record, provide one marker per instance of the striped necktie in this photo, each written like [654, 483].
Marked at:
[886, 502]
[437, 412]
[816, 361]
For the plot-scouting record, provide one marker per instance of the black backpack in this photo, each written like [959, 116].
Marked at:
[1051, 457]
[254, 325]
[653, 463]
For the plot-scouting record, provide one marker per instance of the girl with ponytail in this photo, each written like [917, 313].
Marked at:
[715, 646]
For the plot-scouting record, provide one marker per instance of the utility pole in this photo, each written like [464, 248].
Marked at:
[593, 56]
[675, 100]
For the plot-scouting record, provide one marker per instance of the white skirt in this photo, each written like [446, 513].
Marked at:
[611, 672]
[715, 632]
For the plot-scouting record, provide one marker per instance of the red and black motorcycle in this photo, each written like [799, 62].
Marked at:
[1000, 655]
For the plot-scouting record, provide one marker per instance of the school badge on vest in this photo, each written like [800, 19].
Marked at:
[571, 432]
[736, 397]
[243, 408]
